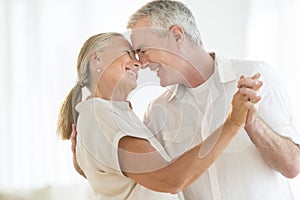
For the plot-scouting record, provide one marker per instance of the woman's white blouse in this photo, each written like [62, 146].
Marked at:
[101, 124]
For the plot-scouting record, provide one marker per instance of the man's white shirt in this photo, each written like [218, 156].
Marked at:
[183, 117]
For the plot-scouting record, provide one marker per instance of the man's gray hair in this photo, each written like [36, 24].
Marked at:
[166, 13]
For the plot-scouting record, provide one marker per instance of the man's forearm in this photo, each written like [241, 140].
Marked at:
[279, 152]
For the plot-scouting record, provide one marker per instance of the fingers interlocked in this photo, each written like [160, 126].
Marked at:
[249, 86]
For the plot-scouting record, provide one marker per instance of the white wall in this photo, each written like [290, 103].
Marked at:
[222, 25]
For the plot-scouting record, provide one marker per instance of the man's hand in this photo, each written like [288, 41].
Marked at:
[73, 146]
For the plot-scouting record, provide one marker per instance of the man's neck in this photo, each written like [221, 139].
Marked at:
[201, 68]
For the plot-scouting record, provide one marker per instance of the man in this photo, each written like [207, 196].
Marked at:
[255, 164]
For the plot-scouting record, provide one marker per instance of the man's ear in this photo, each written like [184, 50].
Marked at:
[177, 33]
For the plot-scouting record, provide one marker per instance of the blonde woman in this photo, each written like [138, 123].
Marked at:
[118, 155]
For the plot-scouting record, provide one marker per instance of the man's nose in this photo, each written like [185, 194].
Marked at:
[144, 62]
[144, 66]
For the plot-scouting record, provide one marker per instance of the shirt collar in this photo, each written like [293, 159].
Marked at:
[173, 91]
[222, 66]
[225, 69]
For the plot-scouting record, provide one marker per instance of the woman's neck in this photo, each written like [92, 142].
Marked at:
[110, 94]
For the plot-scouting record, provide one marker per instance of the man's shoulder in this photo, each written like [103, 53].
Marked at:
[250, 64]
[158, 106]
[165, 97]
[248, 67]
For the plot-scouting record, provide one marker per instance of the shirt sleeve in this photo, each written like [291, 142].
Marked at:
[131, 125]
[275, 108]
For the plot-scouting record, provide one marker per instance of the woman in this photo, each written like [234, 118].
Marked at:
[119, 156]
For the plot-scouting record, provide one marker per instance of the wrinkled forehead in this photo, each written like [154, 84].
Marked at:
[146, 37]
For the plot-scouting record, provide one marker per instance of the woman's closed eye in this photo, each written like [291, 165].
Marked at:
[131, 53]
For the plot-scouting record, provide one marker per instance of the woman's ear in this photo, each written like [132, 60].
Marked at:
[95, 59]
[177, 33]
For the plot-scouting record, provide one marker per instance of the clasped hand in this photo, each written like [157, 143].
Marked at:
[244, 103]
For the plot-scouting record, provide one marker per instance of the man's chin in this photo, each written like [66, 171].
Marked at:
[133, 87]
[163, 84]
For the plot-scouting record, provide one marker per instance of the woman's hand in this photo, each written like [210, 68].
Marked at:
[73, 147]
[245, 100]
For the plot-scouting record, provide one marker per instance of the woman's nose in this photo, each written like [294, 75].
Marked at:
[137, 64]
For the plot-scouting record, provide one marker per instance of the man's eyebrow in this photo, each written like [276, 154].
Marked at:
[139, 48]
[131, 48]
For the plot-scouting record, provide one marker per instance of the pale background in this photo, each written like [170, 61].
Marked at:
[40, 41]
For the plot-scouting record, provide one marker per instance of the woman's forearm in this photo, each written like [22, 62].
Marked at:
[183, 171]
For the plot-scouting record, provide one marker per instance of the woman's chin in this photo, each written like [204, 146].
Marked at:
[131, 85]
[126, 88]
